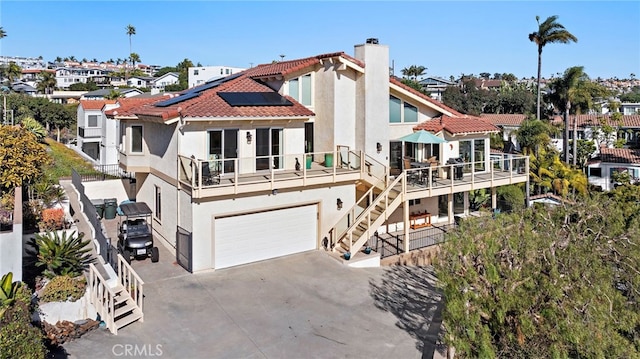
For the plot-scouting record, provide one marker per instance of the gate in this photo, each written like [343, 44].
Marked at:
[184, 249]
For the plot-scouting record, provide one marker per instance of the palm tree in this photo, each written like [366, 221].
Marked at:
[130, 32]
[548, 32]
[2, 33]
[134, 58]
[11, 71]
[47, 82]
[72, 58]
[414, 71]
[567, 89]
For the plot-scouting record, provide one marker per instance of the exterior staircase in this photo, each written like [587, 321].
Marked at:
[119, 302]
[353, 231]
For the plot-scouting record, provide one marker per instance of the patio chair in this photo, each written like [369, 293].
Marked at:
[209, 178]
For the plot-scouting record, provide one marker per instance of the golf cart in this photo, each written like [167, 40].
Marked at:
[135, 235]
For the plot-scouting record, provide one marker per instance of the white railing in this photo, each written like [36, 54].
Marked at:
[102, 297]
[358, 215]
[131, 282]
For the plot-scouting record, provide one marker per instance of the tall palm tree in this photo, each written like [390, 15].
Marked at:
[2, 33]
[131, 30]
[549, 32]
[12, 71]
[414, 71]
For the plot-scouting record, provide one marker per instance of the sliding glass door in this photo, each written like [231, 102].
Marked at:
[269, 151]
[223, 150]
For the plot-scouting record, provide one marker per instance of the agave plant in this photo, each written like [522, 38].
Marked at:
[62, 254]
[8, 290]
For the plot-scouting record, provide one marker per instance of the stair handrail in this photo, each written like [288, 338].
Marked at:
[102, 297]
[131, 282]
[367, 157]
[383, 195]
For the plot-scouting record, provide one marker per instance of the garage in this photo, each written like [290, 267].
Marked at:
[258, 236]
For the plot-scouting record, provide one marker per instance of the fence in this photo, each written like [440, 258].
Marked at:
[104, 172]
[390, 244]
[106, 251]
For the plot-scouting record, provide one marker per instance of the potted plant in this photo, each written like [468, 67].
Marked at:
[347, 255]
[367, 250]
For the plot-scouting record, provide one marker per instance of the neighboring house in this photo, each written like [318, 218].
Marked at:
[170, 78]
[23, 88]
[140, 81]
[201, 74]
[508, 123]
[63, 97]
[297, 155]
[435, 86]
[96, 137]
[628, 108]
[24, 62]
[487, 84]
[102, 93]
[587, 127]
[611, 160]
[67, 76]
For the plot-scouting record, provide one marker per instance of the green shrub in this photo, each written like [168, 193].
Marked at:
[62, 255]
[63, 288]
[19, 338]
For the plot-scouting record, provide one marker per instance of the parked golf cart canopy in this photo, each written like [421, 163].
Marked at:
[135, 234]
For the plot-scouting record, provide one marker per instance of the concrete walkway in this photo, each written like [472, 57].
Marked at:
[301, 306]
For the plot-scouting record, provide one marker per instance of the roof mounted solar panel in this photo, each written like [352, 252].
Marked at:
[213, 83]
[254, 99]
[178, 99]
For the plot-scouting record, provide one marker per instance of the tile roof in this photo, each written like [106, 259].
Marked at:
[504, 119]
[462, 124]
[620, 155]
[397, 82]
[95, 104]
[209, 104]
[284, 68]
[591, 120]
[128, 105]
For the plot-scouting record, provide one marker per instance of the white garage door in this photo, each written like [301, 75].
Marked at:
[258, 236]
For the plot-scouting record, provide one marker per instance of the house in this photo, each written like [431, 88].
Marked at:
[508, 123]
[170, 78]
[628, 108]
[140, 81]
[67, 76]
[102, 93]
[201, 74]
[435, 86]
[301, 155]
[601, 169]
[95, 136]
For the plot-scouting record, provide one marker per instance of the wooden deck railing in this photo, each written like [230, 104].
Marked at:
[131, 282]
[102, 297]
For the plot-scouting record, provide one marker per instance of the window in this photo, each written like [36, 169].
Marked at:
[300, 89]
[136, 139]
[413, 202]
[158, 213]
[410, 113]
[395, 111]
[93, 121]
[223, 150]
[473, 151]
[227, 71]
[595, 171]
[196, 72]
[400, 111]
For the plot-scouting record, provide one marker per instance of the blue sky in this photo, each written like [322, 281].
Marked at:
[449, 38]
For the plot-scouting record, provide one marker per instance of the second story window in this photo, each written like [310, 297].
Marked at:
[400, 111]
[136, 139]
[196, 72]
[93, 121]
[300, 89]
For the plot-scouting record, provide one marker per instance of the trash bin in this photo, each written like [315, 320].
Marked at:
[328, 159]
[110, 207]
[99, 205]
[309, 159]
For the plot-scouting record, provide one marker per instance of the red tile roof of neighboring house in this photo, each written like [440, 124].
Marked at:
[619, 155]
[37, 71]
[504, 119]
[95, 104]
[427, 98]
[128, 105]
[457, 125]
[594, 120]
[485, 83]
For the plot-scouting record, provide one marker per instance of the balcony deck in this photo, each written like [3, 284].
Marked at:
[355, 167]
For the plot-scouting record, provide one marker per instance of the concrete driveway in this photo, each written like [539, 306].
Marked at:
[301, 306]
